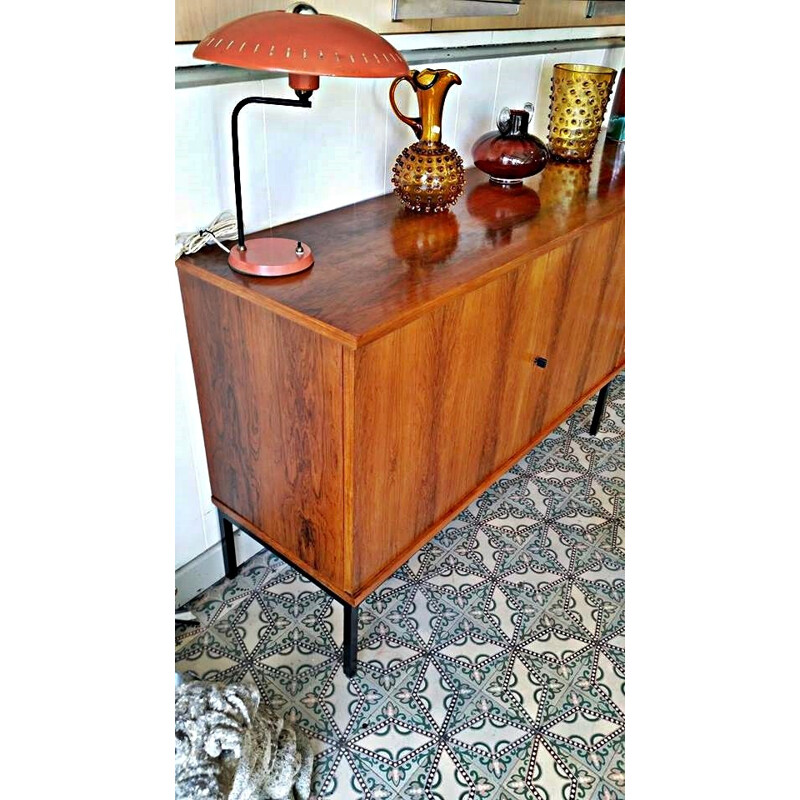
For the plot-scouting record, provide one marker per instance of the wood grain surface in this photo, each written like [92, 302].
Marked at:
[588, 306]
[371, 274]
[195, 19]
[532, 14]
[270, 398]
[391, 564]
[442, 401]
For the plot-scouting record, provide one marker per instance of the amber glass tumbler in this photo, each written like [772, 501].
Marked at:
[578, 98]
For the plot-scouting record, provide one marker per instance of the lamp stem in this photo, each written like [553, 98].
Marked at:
[301, 102]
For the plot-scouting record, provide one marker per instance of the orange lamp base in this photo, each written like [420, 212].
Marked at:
[271, 257]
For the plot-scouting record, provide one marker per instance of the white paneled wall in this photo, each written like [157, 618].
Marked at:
[298, 162]
[194, 512]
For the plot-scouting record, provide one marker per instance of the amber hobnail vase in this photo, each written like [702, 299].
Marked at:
[578, 97]
[428, 175]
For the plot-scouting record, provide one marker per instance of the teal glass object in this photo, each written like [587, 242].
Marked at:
[616, 119]
[616, 129]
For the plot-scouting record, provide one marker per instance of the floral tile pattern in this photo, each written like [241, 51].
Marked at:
[491, 665]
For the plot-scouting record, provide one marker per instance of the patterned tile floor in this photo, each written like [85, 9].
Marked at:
[491, 665]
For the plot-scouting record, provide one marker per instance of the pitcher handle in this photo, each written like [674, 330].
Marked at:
[415, 123]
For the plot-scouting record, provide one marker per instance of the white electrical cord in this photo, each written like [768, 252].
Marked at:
[222, 227]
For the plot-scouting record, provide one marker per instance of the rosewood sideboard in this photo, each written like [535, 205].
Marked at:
[350, 411]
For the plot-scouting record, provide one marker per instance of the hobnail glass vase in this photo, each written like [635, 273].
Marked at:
[428, 175]
[578, 98]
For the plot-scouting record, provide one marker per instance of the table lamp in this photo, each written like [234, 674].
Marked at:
[306, 45]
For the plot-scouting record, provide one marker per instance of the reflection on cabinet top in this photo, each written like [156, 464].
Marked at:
[378, 266]
[194, 19]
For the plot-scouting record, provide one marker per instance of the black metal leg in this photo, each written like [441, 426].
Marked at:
[350, 640]
[599, 410]
[228, 546]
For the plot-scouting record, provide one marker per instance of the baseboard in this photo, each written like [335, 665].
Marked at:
[206, 569]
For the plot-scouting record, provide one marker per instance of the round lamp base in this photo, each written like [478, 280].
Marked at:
[270, 258]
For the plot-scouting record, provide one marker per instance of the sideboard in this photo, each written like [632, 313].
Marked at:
[351, 411]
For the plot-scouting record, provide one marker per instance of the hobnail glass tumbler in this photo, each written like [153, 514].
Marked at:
[578, 97]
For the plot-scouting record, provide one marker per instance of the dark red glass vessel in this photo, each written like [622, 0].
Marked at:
[510, 153]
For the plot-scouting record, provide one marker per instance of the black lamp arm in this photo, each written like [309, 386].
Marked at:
[302, 101]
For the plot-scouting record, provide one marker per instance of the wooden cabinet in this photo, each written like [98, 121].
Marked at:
[351, 411]
[194, 19]
[532, 14]
[587, 337]
[443, 402]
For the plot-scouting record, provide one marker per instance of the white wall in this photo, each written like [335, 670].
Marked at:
[298, 162]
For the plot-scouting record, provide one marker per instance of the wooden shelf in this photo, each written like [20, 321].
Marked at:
[194, 19]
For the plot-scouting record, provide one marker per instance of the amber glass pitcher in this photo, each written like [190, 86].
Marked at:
[428, 175]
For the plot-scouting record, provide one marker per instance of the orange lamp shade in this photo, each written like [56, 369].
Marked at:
[302, 45]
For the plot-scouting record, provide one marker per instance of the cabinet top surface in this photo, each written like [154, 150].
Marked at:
[377, 265]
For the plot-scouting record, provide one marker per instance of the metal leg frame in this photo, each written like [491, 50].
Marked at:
[350, 640]
[599, 410]
[350, 612]
[228, 546]
[350, 647]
